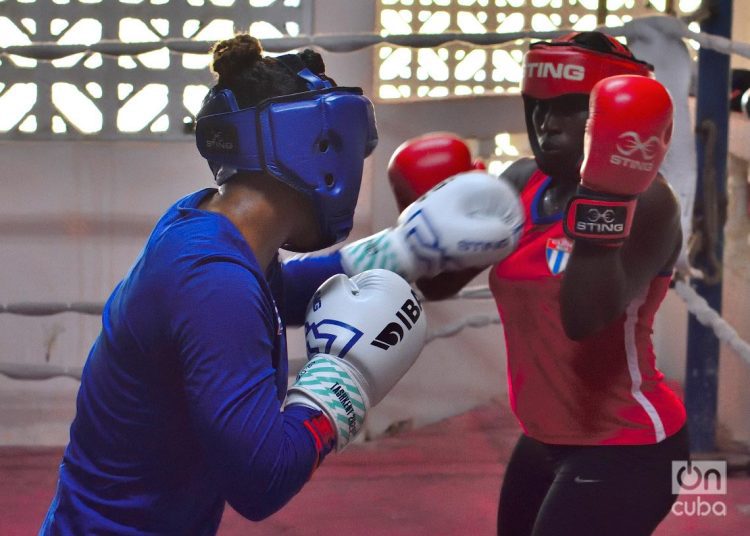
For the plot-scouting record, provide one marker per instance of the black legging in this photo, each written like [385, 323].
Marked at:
[555, 490]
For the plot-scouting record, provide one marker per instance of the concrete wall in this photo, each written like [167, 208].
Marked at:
[734, 370]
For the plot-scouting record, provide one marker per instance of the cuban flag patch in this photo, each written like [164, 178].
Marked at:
[558, 252]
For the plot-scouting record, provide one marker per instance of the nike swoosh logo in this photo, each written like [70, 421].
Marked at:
[579, 480]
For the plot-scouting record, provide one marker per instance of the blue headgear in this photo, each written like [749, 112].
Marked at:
[315, 142]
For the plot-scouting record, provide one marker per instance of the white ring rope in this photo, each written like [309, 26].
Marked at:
[474, 293]
[46, 309]
[39, 372]
[48, 51]
[449, 330]
[703, 312]
[696, 305]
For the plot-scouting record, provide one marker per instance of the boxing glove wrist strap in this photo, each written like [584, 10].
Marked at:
[386, 250]
[335, 387]
[600, 218]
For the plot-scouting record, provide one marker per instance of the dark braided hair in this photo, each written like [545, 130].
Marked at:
[241, 67]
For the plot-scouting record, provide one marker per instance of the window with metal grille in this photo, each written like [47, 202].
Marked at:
[460, 69]
[118, 82]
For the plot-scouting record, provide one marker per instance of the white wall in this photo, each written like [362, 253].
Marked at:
[73, 217]
[733, 414]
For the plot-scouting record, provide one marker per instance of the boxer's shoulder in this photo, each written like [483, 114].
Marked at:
[519, 172]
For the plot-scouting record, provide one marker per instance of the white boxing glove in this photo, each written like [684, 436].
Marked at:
[472, 219]
[362, 335]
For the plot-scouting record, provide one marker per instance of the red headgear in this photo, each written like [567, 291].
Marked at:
[563, 66]
[571, 65]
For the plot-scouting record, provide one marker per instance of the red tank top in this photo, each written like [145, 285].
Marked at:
[603, 390]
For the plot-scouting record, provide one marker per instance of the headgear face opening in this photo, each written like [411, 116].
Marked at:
[315, 141]
[568, 67]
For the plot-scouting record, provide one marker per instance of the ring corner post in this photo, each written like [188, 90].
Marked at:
[702, 360]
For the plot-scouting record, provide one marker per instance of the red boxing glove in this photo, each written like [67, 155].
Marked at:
[425, 161]
[627, 137]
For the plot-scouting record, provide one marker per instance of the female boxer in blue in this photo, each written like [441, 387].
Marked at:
[181, 406]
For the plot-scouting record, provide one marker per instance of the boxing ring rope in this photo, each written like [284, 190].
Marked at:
[670, 26]
[667, 26]
[39, 372]
[696, 305]
[46, 309]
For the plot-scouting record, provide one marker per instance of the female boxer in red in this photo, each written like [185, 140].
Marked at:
[578, 296]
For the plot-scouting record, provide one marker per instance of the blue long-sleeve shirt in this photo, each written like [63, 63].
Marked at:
[180, 404]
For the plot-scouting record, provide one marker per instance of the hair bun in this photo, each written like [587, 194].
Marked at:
[313, 61]
[233, 55]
